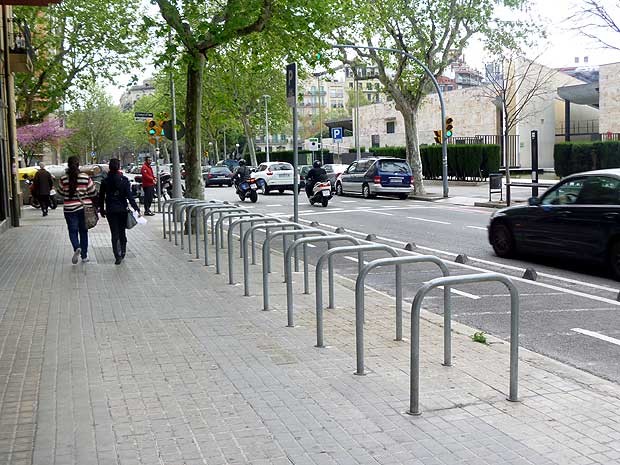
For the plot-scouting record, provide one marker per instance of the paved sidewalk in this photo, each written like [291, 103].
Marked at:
[158, 361]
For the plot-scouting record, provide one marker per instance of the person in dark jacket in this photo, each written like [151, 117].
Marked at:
[114, 194]
[42, 187]
[242, 172]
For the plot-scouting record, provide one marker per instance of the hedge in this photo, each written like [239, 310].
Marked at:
[575, 157]
[466, 162]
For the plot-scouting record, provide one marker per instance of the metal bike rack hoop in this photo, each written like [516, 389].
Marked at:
[190, 210]
[414, 391]
[231, 229]
[244, 244]
[288, 273]
[205, 219]
[359, 303]
[219, 231]
[201, 211]
[327, 256]
[267, 252]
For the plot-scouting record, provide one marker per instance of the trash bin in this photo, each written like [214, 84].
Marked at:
[495, 185]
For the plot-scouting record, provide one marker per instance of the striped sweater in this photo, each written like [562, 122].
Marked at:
[85, 188]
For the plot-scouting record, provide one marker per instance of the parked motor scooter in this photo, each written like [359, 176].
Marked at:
[321, 193]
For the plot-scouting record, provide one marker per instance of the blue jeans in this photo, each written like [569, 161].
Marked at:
[77, 227]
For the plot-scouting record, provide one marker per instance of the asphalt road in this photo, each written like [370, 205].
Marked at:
[570, 313]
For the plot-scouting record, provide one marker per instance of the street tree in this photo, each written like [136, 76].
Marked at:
[599, 20]
[34, 139]
[74, 42]
[238, 80]
[433, 31]
[291, 29]
[100, 127]
[518, 87]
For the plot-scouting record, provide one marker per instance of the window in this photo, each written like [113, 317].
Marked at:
[350, 85]
[394, 166]
[599, 190]
[565, 194]
[328, 169]
[375, 141]
[369, 86]
[352, 168]
[262, 167]
[390, 127]
[281, 167]
[369, 96]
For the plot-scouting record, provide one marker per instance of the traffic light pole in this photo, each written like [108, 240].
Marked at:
[444, 139]
[158, 177]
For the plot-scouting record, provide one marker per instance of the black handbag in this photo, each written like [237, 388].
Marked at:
[131, 220]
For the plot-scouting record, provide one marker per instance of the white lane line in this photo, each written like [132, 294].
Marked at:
[330, 212]
[514, 278]
[348, 201]
[477, 227]
[382, 213]
[546, 311]
[354, 260]
[311, 245]
[426, 220]
[274, 205]
[602, 337]
[463, 294]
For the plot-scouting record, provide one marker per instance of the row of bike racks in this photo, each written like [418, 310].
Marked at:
[188, 213]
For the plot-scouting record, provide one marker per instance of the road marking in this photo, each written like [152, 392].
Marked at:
[477, 227]
[348, 201]
[463, 294]
[427, 220]
[274, 205]
[546, 311]
[354, 260]
[602, 337]
[311, 245]
[382, 213]
[514, 278]
[330, 212]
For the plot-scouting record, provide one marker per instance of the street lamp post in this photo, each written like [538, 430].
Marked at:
[266, 97]
[237, 151]
[210, 149]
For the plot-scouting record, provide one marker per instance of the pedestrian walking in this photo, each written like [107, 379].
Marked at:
[78, 191]
[42, 187]
[148, 185]
[114, 193]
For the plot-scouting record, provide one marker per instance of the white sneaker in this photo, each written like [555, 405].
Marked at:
[76, 256]
[85, 260]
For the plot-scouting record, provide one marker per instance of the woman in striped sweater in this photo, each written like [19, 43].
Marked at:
[78, 190]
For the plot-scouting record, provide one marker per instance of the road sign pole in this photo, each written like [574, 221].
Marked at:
[291, 98]
[534, 136]
[158, 180]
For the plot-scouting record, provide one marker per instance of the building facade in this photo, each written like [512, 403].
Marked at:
[134, 93]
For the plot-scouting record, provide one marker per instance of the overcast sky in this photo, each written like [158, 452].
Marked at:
[560, 49]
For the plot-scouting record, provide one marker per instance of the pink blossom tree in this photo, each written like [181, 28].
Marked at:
[32, 139]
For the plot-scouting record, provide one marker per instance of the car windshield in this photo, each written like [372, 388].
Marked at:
[393, 166]
[281, 167]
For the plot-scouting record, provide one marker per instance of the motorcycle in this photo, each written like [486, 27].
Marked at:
[321, 193]
[249, 188]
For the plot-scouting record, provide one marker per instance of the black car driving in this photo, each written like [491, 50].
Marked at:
[578, 218]
[217, 176]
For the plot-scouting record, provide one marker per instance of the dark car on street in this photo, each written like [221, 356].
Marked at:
[217, 176]
[577, 219]
[376, 176]
[303, 172]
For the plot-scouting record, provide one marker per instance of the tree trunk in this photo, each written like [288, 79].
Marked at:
[250, 139]
[413, 147]
[193, 104]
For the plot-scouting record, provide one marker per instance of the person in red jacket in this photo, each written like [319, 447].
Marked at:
[148, 185]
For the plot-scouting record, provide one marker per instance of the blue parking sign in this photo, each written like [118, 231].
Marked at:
[337, 134]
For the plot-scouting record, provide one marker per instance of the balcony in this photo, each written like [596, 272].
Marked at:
[21, 54]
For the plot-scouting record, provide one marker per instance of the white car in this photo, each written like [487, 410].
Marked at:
[278, 175]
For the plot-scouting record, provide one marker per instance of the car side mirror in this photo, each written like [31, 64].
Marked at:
[533, 201]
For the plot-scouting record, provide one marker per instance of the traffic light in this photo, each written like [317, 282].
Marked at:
[448, 127]
[154, 128]
[438, 136]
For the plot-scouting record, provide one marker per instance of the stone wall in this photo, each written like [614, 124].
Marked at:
[609, 100]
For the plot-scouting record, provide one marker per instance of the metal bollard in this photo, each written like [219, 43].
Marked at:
[360, 249]
[359, 303]
[414, 388]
